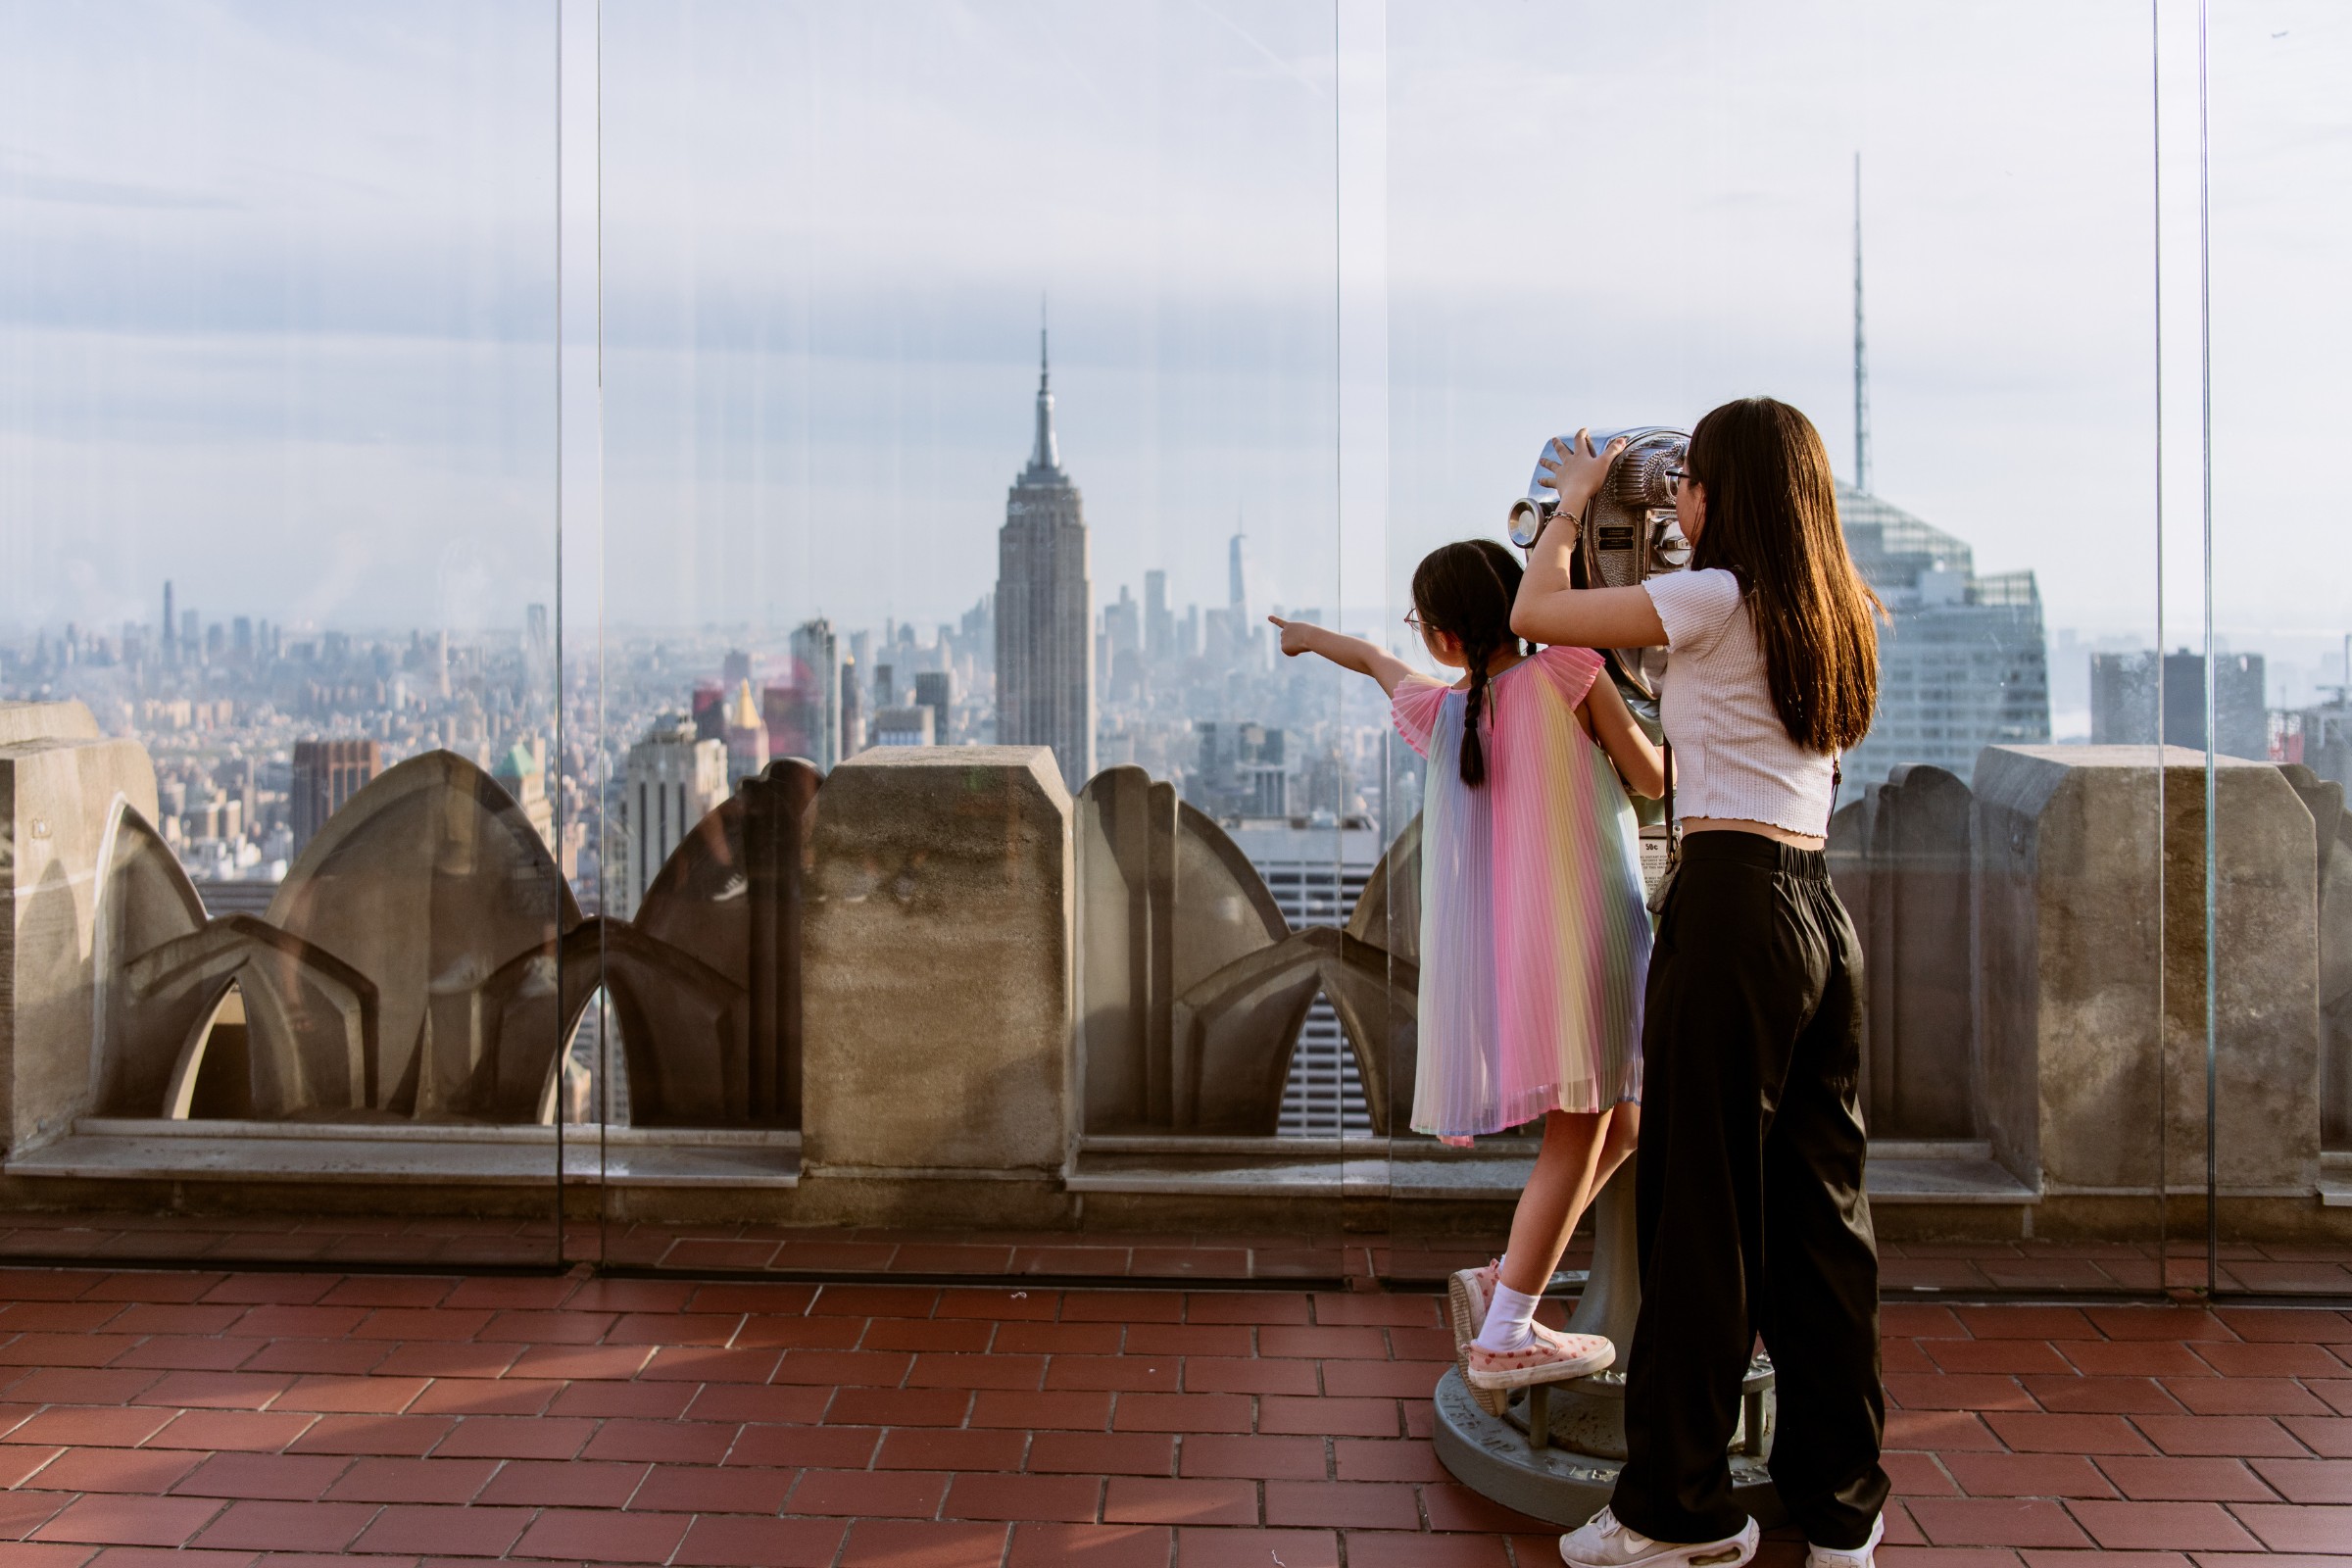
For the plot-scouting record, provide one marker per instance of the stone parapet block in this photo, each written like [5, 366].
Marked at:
[2090, 927]
[938, 1001]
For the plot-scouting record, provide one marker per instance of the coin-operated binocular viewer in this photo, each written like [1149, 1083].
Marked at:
[1556, 1451]
[1628, 535]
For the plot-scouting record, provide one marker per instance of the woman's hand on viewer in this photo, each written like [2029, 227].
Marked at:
[1550, 606]
[1574, 471]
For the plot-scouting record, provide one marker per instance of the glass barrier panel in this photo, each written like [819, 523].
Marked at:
[2262, 691]
[277, 665]
[1827, 206]
[970, 857]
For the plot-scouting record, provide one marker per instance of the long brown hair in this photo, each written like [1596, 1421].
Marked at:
[1772, 520]
[1465, 590]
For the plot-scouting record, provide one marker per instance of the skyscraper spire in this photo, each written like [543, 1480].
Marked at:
[1045, 456]
[1861, 362]
[1044, 608]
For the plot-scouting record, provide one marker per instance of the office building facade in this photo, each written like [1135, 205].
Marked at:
[1963, 664]
[674, 779]
[1316, 874]
[326, 774]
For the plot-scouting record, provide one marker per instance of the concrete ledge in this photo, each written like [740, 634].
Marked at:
[1416, 1170]
[113, 1149]
[1941, 1172]
[1301, 1167]
[2336, 1179]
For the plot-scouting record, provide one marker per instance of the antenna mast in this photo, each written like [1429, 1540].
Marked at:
[1861, 361]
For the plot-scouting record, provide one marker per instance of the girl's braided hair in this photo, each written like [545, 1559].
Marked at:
[1465, 590]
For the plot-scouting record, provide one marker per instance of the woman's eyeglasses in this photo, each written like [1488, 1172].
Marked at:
[1675, 478]
[1413, 618]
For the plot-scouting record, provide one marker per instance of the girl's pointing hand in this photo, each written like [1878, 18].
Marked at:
[1297, 636]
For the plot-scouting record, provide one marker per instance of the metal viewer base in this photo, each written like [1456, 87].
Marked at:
[1491, 1455]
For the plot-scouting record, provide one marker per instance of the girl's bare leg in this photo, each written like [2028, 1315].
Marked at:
[1579, 1151]
[1623, 1134]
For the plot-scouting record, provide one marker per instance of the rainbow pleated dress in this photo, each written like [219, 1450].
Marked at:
[1534, 933]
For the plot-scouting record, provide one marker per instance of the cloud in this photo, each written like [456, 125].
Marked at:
[282, 273]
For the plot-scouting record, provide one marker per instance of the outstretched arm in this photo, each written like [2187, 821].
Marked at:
[1639, 762]
[1348, 653]
[1548, 609]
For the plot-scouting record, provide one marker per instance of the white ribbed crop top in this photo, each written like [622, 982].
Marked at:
[1732, 757]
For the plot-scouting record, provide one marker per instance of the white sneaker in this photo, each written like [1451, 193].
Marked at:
[1848, 1556]
[1548, 1356]
[1604, 1542]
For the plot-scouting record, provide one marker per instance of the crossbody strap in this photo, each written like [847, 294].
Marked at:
[1674, 827]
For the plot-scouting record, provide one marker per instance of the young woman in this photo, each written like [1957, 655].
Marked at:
[1749, 1180]
[1534, 941]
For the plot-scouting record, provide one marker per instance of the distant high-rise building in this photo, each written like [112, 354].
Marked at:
[191, 637]
[521, 772]
[710, 710]
[746, 736]
[935, 689]
[1962, 666]
[2321, 738]
[1121, 668]
[853, 708]
[1316, 874]
[168, 642]
[1241, 772]
[978, 629]
[1045, 608]
[736, 670]
[2124, 700]
[327, 773]
[789, 719]
[674, 779]
[1159, 625]
[816, 685]
[2240, 708]
[904, 726]
[1237, 577]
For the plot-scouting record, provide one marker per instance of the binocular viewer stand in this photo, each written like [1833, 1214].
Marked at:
[1556, 1452]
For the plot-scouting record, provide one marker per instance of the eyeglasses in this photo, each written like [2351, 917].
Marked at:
[1413, 618]
[1676, 477]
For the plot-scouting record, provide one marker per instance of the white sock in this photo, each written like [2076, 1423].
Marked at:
[1507, 1320]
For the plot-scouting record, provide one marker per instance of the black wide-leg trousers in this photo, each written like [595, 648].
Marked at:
[1749, 1202]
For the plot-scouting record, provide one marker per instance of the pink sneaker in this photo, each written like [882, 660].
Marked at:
[1468, 1295]
[1550, 1357]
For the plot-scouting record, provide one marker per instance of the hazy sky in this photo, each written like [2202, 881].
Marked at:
[277, 290]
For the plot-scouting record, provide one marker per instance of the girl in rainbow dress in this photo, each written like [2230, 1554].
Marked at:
[1535, 935]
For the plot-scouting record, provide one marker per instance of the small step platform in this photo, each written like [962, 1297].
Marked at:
[1494, 1454]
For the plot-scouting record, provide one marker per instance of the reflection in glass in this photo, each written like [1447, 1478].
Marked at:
[278, 407]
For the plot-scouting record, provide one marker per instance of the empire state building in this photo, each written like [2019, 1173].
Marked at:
[1045, 608]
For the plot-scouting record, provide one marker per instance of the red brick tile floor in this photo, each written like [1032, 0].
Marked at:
[1964, 1268]
[294, 1418]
